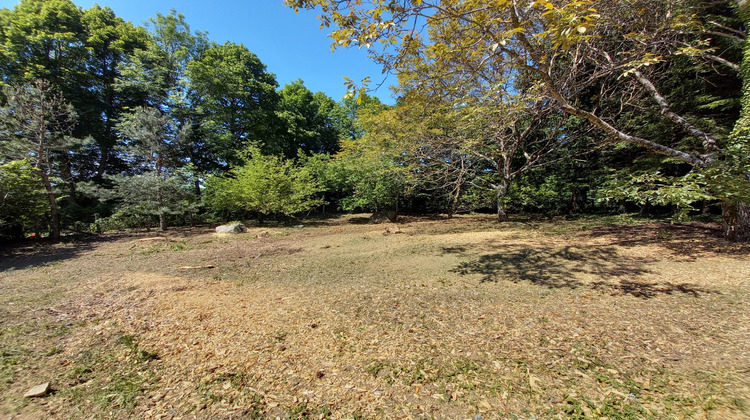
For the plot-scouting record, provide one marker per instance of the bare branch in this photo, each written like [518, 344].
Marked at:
[710, 144]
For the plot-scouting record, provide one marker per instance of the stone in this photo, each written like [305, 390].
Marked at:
[231, 228]
[37, 391]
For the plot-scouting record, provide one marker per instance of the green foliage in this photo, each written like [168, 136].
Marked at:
[157, 188]
[308, 120]
[143, 199]
[22, 195]
[235, 98]
[659, 190]
[35, 125]
[158, 71]
[346, 115]
[150, 140]
[372, 177]
[264, 185]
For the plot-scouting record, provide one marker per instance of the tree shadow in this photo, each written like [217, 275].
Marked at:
[33, 253]
[572, 267]
[686, 241]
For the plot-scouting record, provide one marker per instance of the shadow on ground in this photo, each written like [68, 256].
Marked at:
[593, 267]
[685, 241]
[36, 253]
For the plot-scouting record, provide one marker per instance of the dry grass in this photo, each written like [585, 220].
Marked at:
[448, 319]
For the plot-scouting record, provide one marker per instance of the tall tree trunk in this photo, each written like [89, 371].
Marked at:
[458, 190]
[197, 185]
[456, 197]
[501, 191]
[162, 216]
[737, 221]
[54, 224]
[736, 215]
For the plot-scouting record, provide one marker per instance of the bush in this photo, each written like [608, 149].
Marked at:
[264, 185]
[23, 199]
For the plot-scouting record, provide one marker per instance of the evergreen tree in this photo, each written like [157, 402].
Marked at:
[36, 124]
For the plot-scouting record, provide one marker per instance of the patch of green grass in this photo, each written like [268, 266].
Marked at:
[299, 411]
[617, 409]
[53, 351]
[375, 367]
[140, 354]
[122, 389]
[464, 366]
[237, 379]
[154, 249]
[113, 383]
[11, 359]
[79, 374]
[178, 246]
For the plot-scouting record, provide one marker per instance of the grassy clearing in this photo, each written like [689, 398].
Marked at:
[449, 319]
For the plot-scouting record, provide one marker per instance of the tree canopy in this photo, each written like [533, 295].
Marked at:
[509, 105]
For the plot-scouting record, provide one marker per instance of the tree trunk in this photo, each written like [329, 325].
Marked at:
[454, 203]
[197, 185]
[502, 211]
[54, 225]
[162, 221]
[736, 215]
[736, 221]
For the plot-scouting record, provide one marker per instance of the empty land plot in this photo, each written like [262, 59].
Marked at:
[446, 319]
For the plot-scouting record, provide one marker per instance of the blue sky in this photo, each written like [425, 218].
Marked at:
[291, 45]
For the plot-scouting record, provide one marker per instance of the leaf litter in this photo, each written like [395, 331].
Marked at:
[454, 319]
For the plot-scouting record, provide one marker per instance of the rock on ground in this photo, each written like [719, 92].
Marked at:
[231, 228]
[38, 391]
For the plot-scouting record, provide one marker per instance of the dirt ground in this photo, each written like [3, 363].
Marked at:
[460, 318]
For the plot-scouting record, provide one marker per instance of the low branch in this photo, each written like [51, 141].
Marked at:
[710, 144]
[723, 61]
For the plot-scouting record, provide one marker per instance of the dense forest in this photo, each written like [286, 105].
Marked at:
[562, 107]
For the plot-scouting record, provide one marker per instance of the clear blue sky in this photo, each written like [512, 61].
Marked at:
[291, 45]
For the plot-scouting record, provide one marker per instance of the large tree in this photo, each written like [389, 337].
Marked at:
[36, 124]
[308, 120]
[109, 42]
[560, 49]
[737, 205]
[150, 143]
[235, 99]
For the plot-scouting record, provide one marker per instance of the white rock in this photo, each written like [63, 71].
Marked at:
[231, 228]
[38, 391]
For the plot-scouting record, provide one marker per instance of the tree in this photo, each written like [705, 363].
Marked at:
[560, 48]
[737, 165]
[346, 115]
[109, 42]
[79, 52]
[44, 39]
[235, 99]
[150, 142]
[374, 171]
[263, 185]
[482, 143]
[143, 196]
[158, 72]
[35, 124]
[22, 197]
[308, 120]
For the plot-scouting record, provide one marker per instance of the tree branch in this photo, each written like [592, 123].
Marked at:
[710, 144]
